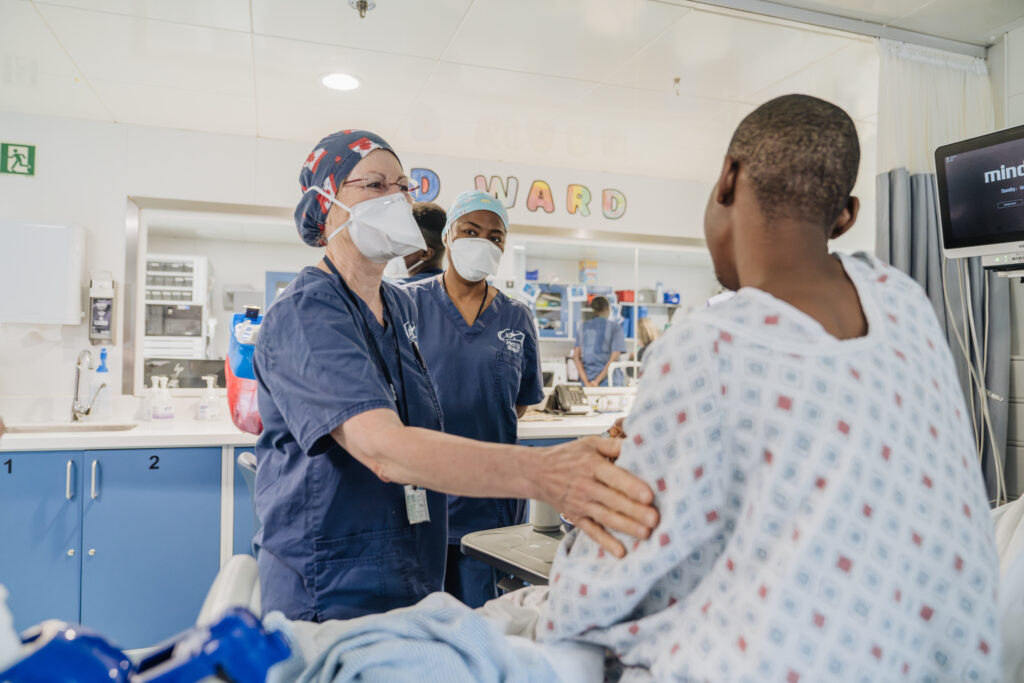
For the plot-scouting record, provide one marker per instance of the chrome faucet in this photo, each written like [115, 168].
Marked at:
[78, 411]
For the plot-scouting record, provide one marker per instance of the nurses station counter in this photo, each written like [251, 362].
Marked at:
[124, 530]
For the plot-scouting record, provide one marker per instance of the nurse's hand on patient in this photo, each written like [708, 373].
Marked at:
[616, 431]
[582, 483]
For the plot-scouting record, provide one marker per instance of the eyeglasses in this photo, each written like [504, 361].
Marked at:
[377, 183]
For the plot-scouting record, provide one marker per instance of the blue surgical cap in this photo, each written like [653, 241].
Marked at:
[474, 200]
[327, 167]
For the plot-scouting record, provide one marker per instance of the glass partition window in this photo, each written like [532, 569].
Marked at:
[196, 270]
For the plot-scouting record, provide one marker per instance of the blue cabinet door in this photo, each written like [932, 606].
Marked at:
[150, 540]
[41, 534]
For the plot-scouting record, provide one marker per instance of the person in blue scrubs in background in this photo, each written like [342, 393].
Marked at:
[428, 262]
[352, 451]
[599, 343]
[481, 348]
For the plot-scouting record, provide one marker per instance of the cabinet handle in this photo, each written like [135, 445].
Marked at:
[94, 492]
[92, 551]
[71, 552]
[67, 483]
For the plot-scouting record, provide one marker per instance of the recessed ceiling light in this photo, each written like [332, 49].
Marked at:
[340, 81]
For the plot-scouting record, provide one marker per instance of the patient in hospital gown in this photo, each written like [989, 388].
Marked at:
[823, 515]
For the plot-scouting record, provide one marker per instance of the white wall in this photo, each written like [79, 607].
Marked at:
[84, 173]
[86, 170]
[1014, 45]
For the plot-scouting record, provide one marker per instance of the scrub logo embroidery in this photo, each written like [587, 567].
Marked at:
[513, 340]
[410, 332]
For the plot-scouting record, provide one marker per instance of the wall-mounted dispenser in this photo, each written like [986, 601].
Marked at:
[101, 308]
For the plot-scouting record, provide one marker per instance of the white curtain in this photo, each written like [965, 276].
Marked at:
[928, 98]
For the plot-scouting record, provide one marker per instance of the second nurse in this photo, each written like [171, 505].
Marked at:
[481, 348]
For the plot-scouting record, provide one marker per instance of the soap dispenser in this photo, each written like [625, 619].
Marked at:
[209, 404]
[163, 407]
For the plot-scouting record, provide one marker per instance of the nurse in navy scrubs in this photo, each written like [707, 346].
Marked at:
[469, 329]
[352, 451]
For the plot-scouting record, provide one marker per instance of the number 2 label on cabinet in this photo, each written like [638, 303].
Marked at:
[154, 462]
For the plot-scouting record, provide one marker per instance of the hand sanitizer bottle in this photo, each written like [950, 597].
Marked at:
[163, 407]
[209, 404]
[101, 391]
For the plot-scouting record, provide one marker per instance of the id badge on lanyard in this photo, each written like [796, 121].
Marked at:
[416, 504]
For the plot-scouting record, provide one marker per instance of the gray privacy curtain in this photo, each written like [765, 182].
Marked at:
[909, 238]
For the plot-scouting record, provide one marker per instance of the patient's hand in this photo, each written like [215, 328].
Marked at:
[583, 483]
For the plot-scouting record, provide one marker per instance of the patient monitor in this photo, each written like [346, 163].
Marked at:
[981, 199]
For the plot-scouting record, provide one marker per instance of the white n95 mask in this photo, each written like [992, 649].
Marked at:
[396, 269]
[475, 258]
[381, 228]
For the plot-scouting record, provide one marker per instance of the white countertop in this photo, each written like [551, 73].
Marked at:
[188, 432]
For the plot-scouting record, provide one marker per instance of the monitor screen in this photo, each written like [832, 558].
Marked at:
[981, 194]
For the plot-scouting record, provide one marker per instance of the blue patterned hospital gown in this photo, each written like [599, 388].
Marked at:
[823, 515]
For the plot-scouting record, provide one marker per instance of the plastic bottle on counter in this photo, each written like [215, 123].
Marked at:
[659, 293]
[209, 404]
[163, 407]
[101, 391]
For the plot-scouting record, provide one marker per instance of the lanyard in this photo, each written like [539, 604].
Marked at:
[371, 341]
[482, 301]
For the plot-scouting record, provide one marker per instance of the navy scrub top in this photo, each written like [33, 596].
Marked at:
[482, 372]
[597, 338]
[336, 541]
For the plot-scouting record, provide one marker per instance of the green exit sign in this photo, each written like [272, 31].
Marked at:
[17, 159]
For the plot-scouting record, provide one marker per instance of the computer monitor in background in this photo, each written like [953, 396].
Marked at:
[981, 197]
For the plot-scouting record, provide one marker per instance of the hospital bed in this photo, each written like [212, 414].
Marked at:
[237, 586]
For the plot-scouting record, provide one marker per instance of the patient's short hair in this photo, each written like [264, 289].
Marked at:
[801, 154]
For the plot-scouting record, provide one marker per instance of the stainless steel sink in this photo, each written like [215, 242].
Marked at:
[44, 428]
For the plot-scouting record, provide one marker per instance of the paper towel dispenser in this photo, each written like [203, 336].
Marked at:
[40, 273]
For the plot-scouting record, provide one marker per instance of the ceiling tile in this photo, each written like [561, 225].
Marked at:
[36, 74]
[288, 87]
[227, 14]
[187, 109]
[475, 90]
[582, 39]
[848, 78]
[420, 29]
[724, 57]
[126, 49]
[972, 22]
